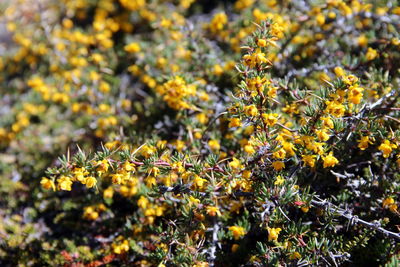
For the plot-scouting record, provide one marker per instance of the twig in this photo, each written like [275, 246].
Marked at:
[353, 218]
[214, 243]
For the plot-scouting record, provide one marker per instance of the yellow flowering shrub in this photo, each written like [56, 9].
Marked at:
[199, 133]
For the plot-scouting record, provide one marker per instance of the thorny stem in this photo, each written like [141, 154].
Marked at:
[322, 203]
[353, 218]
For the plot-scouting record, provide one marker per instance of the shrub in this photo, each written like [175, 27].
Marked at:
[198, 133]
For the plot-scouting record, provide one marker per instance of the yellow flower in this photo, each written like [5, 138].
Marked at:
[327, 122]
[339, 71]
[237, 231]
[242, 4]
[117, 178]
[261, 42]
[295, 256]
[278, 165]
[214, 145]
[334, 108]
[132, 48]
[371, 54]
[104, 87]
[202, 118]
[109, 192]
[249, 149]
[193, 200]
[201, 264]
[235, 164]
[256, 84]
[218, 22]
[129, 167]
[386, 148]
[273, 233]
[305, 209]
[350, 79]
[121, 248]
[79, 174]
[257, 58]
[390, 204]
[355, 94]
[234, 248]
[90, 182]
[279, 180]
[199, 182]
[246, 174]
[309, 160]
[364, 142]
[147, 151]
[102, 166]
[280, 154]
[362, 40]
[234, 122]
[47, 184]
[154, 171]
[289, 148]
[251, 111]
[320, 18]
[330, 160]
[143, 202]
[322, 135]
[213, 211]
[218, 70]
[64, 183]
[270, 119]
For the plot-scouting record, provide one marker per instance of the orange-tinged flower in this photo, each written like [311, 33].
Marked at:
[278, 165]
[237, 231]
[389, 203]
[364, 142]
[234, 122]
[213, 211]
[47, 184]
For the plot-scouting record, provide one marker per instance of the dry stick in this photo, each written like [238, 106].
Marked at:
[353, 218]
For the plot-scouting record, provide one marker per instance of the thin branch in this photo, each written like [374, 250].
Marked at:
[214, 243]
[353, 218]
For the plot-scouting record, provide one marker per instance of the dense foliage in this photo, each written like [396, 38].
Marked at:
[199, 133]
